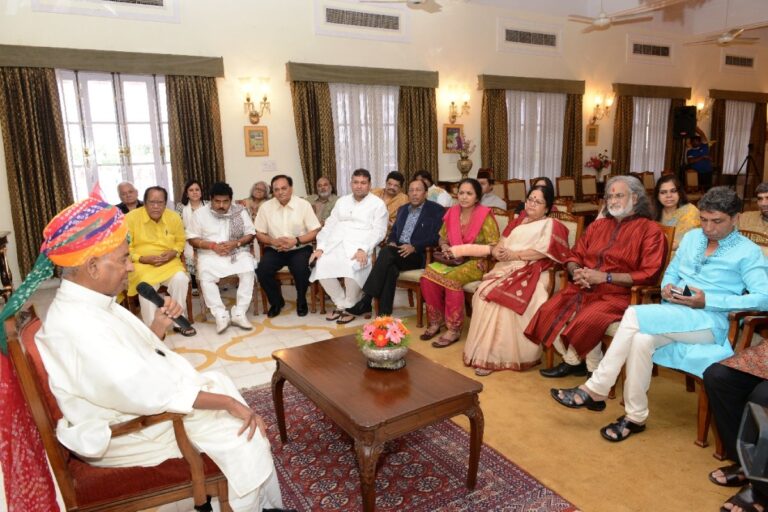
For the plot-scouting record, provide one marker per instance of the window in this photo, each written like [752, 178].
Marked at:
[365, 131]
[116, 128]
[649, 134]
[535, 122]
[739, 116]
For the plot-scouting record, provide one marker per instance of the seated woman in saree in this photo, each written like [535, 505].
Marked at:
[673, 208]
[512, 292]
[542, 181]
[467, 222]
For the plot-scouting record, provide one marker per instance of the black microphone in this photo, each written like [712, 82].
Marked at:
[149, 293]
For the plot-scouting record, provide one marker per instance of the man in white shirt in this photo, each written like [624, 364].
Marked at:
[286, 225]
[222, 233]
[106, 367]
[489, 199]
[434, 193]
[345, 245]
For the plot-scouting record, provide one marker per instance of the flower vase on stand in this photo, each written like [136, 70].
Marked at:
[384, 343]
[464, 164]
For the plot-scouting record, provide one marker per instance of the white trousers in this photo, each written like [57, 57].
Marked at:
[342, 297]
[177, 285]
[212, 295]
[571, 357]
[266, 496]
[635, 349]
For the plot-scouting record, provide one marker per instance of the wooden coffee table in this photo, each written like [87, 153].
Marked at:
[374, 406]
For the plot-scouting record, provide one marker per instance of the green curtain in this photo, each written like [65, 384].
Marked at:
[416, 131]
[35, 155]
[572, 145]
[313, 118]
[622, 135]
[494, 139]
[675, 149]
[194, 128]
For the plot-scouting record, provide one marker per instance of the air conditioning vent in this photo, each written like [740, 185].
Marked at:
[534, 38]
[651, 50]
[739, 61]
[156, 3]
[352, 18]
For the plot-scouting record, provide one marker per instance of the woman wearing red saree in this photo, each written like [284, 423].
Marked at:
[442, 286]
[514, 290]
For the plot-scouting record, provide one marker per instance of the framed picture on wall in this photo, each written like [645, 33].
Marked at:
[451, 132]
[592, 135]
[256, 141]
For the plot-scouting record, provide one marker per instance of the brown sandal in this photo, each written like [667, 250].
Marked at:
[443, 342]
[428, 334]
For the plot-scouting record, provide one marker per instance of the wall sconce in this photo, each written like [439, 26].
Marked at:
[704, 109]
[255, 114]
[601, 109]
[453, 113]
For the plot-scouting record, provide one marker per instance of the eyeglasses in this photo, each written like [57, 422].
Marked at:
[534, 201]
[609, 197]
[670, 191]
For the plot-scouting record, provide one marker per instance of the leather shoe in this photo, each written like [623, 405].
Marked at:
[275, 309]
[564, 369]
[302, 309]
[362, 307]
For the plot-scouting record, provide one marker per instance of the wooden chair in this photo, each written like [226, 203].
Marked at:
[649, 181]
[566, 189]
[234, 281]
[589, 188]
[410, 280]
[284, 277]
[514, 192]
[89, 488]
[500, 190]
[692, 186]
[503, 218]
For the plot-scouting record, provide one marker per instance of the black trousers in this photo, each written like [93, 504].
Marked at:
[729, 391]
[382, 280]
[297, 262]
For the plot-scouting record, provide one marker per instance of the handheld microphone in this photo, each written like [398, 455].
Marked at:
[149, 293]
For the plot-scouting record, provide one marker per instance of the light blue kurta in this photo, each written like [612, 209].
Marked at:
[736, 266]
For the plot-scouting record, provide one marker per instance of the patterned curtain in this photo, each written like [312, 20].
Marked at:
[572, 144]
[35, 155]
[494, 139]
[717, 133]
[313, 117]
[194, 127]
[674, 151]
[622, 134]
[416, 131]
[757, 138]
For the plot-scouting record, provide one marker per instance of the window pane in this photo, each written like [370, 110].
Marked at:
[79, 183]
[144, 177]
[136, 102]
[109, 177]
[75, 146]
[101, 99]
[106, 144]
[162, 100]
[170, 181]
[166, 152]
[71, 112]
[140, 142]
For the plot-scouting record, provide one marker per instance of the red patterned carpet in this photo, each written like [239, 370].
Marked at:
[421, 472]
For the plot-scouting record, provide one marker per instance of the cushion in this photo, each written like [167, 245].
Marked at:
[502, 221]
[411, 275]
[584, 207]
[472, 287]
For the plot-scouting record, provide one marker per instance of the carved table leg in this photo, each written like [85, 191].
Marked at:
[277, 396]
[476, 424]
[367, 456]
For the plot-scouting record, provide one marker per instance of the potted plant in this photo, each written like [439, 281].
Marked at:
[384, 342]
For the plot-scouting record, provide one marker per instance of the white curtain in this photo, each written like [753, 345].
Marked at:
[649, 134]
[365, 131]
[739, 116]
[535, 134]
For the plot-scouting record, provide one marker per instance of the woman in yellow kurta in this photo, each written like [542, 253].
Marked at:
[442, 286]
[673, 208]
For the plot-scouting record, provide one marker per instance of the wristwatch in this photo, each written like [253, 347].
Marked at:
[608, 278]
[298, 242]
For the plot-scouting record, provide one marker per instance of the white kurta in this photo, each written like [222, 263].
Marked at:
[352, 225]
[105, 367]
[211, 266]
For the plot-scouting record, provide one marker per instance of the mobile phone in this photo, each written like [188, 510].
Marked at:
[686, 292]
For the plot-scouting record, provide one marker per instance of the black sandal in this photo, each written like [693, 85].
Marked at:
[345, 318]
[569, 395]
[185, 332]
[618, 428]
[745, 500]
[734, 476]
[335, 314]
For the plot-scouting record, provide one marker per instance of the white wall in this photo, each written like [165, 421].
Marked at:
[257, 38]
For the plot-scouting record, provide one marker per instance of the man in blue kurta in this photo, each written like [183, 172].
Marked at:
[718, 265]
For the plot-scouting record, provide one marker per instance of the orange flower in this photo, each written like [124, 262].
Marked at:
[380, 339]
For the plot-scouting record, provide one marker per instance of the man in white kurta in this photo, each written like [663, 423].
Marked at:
[222, 232]
[345, 245]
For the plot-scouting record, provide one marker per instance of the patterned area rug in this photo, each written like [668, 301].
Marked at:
[422, 471]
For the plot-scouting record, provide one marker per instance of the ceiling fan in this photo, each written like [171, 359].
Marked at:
[604, 20]
[430, 6]
[732, 36]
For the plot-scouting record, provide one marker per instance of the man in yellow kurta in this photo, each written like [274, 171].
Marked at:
[392, 195]
[157, 241]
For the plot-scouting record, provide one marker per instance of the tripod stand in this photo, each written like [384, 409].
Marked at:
[745, 164]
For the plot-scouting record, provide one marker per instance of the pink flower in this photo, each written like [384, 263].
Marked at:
[394, 334]
[368, 332]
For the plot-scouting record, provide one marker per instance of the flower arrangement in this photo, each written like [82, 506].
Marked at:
[599, 162]
[383, 332]
[465, 146]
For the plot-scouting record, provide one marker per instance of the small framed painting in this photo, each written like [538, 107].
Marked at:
[451, 133]
[592, 135]
[256, 141]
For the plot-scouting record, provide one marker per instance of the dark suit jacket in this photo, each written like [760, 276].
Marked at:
[427, 230]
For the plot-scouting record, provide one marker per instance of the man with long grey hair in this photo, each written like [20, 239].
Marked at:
[623, 249]
[688, 330]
